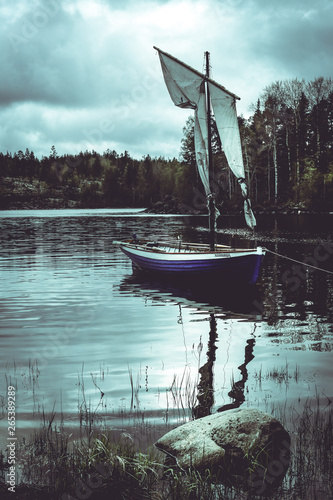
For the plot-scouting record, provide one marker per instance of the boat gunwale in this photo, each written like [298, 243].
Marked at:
[220, 249]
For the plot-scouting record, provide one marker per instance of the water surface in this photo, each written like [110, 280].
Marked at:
[80, 333]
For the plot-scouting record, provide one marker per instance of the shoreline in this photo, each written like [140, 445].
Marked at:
[56, 204]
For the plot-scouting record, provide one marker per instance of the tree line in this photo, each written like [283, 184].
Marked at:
[287, 148]
[94, 180]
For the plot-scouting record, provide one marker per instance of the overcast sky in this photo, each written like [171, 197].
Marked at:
[83, 74]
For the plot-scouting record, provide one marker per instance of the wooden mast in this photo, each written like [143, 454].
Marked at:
[211, 203]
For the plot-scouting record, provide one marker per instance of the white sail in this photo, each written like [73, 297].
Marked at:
[201, 142]
[224, 106]
[182, 83]
[186, 89]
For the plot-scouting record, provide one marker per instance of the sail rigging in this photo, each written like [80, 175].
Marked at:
[187, 88]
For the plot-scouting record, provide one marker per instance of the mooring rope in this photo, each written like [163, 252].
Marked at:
[299, 262]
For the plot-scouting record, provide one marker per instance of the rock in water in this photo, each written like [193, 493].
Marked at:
[243, 447]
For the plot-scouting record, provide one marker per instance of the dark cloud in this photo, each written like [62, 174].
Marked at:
[36, 62]
[66, 59]
[298, 38]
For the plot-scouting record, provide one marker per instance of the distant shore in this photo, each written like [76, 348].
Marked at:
[19, 194]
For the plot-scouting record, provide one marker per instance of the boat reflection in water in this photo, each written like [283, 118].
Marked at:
[219, 303]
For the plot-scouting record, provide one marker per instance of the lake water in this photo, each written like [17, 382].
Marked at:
[81, 335]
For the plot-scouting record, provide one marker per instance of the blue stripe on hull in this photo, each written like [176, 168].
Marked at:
[245, 268]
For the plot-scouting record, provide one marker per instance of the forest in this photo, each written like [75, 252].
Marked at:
[288, 156]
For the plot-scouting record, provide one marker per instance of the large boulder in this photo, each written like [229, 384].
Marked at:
[243, 447]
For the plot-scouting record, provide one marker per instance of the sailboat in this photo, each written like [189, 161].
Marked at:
[191, 89]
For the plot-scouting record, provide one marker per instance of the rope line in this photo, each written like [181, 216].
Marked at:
[298, 261]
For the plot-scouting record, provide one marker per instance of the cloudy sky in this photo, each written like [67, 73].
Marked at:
[83, 74]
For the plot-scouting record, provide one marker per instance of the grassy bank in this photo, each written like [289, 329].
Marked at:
[102, 465]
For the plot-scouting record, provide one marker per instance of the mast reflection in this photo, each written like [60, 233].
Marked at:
[205, 394]
[227, 304]
[237, 391]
